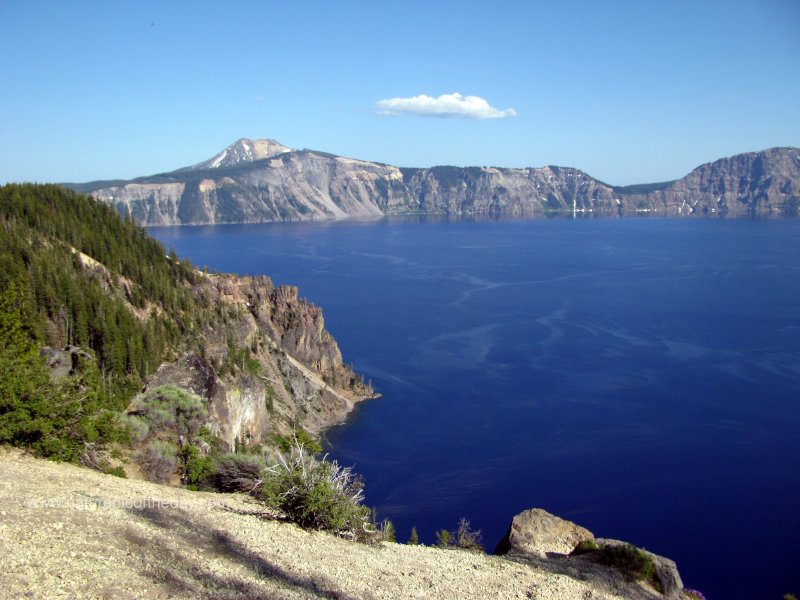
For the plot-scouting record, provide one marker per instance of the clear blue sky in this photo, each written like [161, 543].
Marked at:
[629, 92]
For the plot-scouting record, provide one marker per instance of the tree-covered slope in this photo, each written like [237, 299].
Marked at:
[74, 274]
[72, 256]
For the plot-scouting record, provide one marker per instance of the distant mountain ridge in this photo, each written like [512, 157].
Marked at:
[255, 181]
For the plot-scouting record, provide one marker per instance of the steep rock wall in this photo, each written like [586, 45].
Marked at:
[268, 364]
[308, 186]
[756, 183]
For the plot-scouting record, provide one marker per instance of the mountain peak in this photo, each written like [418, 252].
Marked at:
[242, 150]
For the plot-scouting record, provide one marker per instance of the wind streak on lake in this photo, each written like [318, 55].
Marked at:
[640, 377]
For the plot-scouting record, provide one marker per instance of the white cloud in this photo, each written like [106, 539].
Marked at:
[445, 106]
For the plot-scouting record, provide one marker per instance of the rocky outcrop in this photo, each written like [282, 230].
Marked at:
[263, 181]
[666, 570]
[539, 538]
[191, 372]
[278, 314]
[236, 405]
[299, 329]
[538, 533]
[62, 363]
[267, 366]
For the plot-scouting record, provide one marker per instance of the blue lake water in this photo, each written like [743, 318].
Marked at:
[640, 377]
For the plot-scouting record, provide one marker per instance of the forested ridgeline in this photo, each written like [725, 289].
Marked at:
[73, 272]
[43, 229]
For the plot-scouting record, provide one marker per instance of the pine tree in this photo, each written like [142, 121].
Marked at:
[23, 377]
[414, 539]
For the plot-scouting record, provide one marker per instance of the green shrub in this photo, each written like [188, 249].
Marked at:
[240, 358]
[167, 408]
[462, 538]
[211, 444]
[584, 547]
[387, 531]
[140, 430]
[631, 561]
[116, 472]
[318, 494]
[299, 437]
[173, 420]
[466, 538]
[444, 539]
[196, 468]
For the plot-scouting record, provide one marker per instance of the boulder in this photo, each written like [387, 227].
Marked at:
[59, 362]
[62, 363]
[536, 532]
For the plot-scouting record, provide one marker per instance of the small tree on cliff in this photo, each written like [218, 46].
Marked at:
[463, 538]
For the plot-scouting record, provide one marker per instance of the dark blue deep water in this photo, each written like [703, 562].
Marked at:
[640, 377]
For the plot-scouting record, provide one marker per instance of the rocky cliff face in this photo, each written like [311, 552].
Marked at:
[298, 186]
[265, 364]
[263, 181]
[258, 354]
[475, 191]
[277, 366]
[756, 183]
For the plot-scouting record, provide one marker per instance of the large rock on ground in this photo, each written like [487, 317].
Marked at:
[536, 532]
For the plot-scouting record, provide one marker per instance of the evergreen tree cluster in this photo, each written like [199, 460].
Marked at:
[42, 230]
[129, 313]
[72, 419]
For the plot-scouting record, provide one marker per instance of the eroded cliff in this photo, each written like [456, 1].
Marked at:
[266, 365]
[756, 183]
[264, 181]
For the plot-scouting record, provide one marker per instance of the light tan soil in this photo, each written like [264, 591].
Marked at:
[68, 532]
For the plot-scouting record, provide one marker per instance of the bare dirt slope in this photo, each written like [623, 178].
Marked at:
[68, 532]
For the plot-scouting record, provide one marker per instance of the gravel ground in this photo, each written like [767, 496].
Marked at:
[69, 532]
